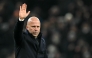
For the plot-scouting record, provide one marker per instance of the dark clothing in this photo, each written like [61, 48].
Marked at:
[26, 46]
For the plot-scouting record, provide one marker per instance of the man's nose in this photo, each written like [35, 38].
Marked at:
[36, 28]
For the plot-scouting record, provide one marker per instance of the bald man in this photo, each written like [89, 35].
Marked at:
[28, 44]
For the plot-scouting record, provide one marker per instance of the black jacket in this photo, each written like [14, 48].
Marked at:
[26, 46]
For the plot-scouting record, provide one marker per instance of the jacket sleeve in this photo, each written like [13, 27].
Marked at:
[18, 30]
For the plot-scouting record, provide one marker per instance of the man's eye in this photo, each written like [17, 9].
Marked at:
[33, 26]
[38, 26]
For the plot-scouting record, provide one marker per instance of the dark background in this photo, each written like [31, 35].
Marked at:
[66, 26]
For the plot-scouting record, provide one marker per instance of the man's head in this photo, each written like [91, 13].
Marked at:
[33, 26]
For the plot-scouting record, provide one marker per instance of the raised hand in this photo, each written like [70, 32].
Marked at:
[22, 12]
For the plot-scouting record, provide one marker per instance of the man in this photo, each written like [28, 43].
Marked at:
[28, 44]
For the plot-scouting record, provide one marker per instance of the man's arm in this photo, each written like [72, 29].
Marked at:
[18, 32]
[19, 26]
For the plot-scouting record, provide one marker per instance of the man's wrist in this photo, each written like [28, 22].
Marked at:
[21, 19]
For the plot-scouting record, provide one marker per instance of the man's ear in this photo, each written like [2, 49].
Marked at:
[27, 27]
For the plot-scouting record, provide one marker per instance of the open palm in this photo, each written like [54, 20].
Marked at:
[22, 12]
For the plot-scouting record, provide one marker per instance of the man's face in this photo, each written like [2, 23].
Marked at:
[33, 27]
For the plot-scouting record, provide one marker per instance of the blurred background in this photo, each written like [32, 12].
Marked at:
[66, 26]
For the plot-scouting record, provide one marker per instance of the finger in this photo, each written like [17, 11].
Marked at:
[24, 7]
[28, 13]
[20, 7]
[25, 4]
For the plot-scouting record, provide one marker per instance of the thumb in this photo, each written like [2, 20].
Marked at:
[28, 13]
